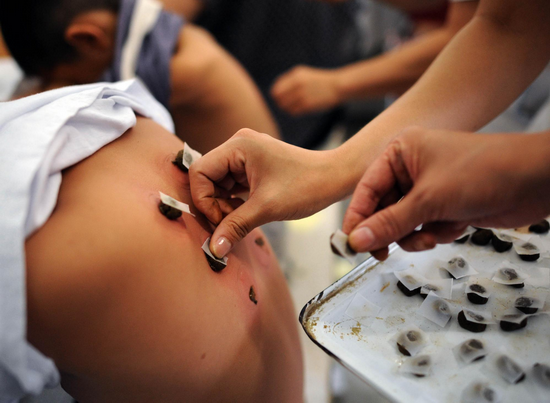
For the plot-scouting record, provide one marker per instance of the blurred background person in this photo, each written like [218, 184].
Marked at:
[306, 90]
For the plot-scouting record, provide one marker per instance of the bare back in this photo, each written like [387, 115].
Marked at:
[126, 304]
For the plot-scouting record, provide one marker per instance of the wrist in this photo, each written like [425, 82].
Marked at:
[344, 85]
[346, 169]
[536, 162]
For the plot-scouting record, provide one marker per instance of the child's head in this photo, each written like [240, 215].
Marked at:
[60, 39]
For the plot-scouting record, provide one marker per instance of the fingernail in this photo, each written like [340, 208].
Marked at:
[221, 247]
[362, 238]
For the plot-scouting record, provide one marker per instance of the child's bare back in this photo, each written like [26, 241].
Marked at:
[126, 304]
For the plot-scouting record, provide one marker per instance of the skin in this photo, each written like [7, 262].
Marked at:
[189, 9]
[306, 89]
[439, 174]
[3, 50]
[124, 301]
[212, 95]
[482, 70]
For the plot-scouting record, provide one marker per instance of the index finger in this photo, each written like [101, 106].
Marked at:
[212, 168]
[378, 181]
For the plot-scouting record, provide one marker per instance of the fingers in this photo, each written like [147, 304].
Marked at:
[245, 162]
[432, 234]
[288, 94]
[388, 225]
[302, 90]
[238, 224]
[377, 182]
[213, 175]
[283, 84]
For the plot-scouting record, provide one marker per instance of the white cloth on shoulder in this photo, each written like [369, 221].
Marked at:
[39, 137]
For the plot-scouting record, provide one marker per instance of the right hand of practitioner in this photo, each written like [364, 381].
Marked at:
[283, 181]
[448, 180]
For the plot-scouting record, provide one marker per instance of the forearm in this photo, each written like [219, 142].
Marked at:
[189, 9]
[212, 95]
[532, 162]
[393, 72]
[466, 86]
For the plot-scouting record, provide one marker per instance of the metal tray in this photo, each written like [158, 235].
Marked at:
[366, 347]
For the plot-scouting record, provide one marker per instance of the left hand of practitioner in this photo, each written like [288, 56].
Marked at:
[305, 89]
[448, 180]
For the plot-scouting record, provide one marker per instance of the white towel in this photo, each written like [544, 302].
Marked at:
[39, 137]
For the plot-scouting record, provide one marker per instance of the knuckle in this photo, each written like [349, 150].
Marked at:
[244, 134]
[389, 225]
[239, 227]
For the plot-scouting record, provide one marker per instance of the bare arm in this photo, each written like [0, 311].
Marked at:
[306, 89]
[212, 95]
[484, 68]
[488, 64]
[189, 9]
[397, 71]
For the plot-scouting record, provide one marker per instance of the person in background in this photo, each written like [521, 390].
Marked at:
[66, 42]
[481, 71]
[304, 89]
[269, 37]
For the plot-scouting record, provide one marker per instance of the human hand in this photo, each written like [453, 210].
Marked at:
[449, 180]
[285, 183]
[305, 89]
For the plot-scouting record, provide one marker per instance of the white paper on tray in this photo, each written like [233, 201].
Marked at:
[539, 381]
[515, 234]
[459, 267]
[509, 274]
[530, 247]
[513, 317]
[475, 286]
[531, 298]
[504, 366]
[410, 278]
[505, 237]
[481, 392]
[419, 365]
[539, 278]
[372, 357]
[411, 339]
[442, 287]
[469, 351]
[485, 318]
[468, 231]
[436, 310]
[362, 310]
[170, 201]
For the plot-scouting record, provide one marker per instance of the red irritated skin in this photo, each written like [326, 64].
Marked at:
[124, 300]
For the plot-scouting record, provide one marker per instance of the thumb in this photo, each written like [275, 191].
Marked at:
[237, 225]
[388, 225]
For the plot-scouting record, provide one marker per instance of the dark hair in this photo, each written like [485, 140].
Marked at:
[34, 30]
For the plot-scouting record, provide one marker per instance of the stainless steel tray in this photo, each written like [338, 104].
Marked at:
[365, 346]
